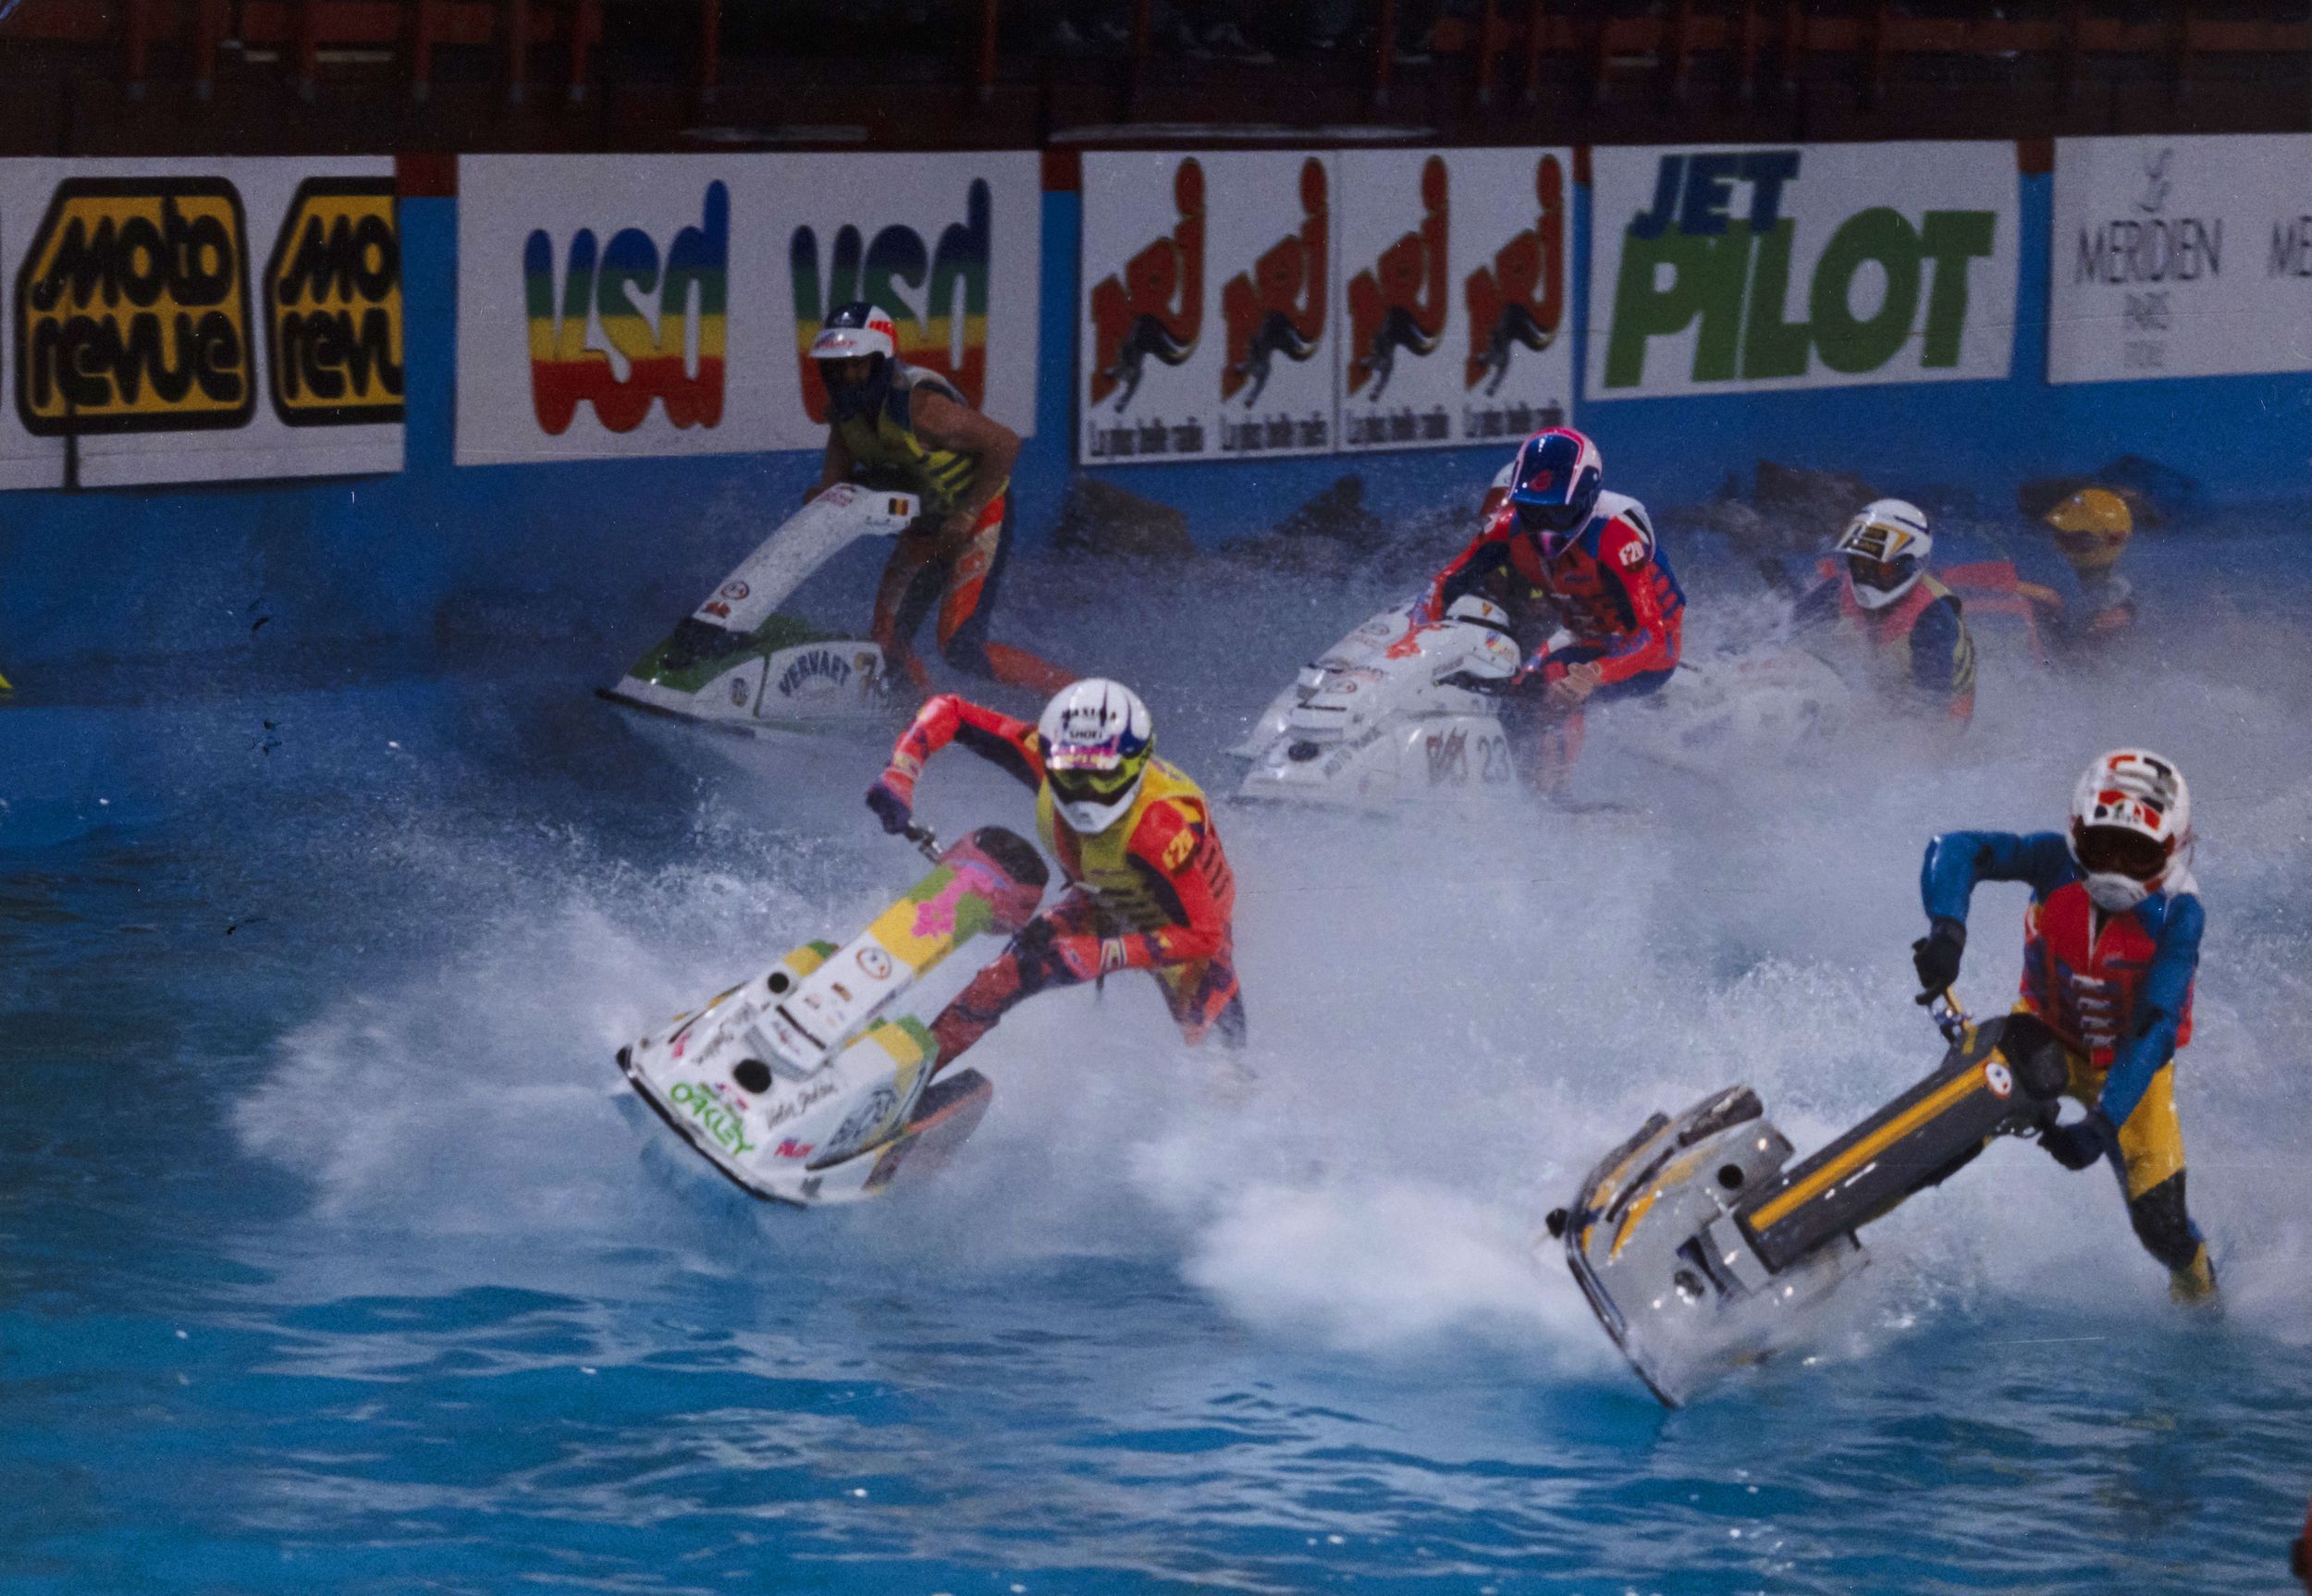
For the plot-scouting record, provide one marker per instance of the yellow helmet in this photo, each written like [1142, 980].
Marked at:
[2091, 527]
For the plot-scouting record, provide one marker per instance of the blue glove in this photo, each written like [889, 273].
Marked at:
[891, 805]
[2077, 1146]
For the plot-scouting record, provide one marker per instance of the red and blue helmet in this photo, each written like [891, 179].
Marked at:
[1553, 485]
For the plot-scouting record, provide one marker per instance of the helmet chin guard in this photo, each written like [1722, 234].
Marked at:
[2131, 827]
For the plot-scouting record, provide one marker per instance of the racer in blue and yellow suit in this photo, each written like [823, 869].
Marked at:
[2110, 949]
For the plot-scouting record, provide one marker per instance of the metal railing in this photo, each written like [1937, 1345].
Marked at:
[1514, 45]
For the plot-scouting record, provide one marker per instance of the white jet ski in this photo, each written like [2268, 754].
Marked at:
[1700, 1252]
[811, 1084]
[736, 662]
[1373, 723]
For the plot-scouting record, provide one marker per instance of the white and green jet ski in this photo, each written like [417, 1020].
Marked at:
[736, 662]
[812, 1084]
[1700, 1247]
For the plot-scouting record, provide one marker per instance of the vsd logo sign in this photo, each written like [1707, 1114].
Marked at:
[920, 287]
[662, 313]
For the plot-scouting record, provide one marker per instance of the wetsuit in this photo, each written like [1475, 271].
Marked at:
[2116, 989]
[1919, 651]
[885, 450]
[1152, 892]
[1610, 586]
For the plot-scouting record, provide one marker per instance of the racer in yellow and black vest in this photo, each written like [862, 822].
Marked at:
[1148, 885]
[1916, 650]
[905, 427]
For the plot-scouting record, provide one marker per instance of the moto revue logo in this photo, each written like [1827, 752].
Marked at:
[1715, 252]
[133, 312]
[333, 305]
[1155, 308]
[889, 271]
[1277, 307]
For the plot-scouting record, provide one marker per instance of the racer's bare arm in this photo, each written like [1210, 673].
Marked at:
[941, 422]
[836, 466]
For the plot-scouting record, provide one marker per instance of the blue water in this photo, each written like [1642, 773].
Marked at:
[338, 1261]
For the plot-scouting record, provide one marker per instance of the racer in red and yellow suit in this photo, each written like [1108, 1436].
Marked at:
[2116, 989]
[1152, 892]
[1609, 586]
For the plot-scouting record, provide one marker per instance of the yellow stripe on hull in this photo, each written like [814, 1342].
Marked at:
[1866, 1150]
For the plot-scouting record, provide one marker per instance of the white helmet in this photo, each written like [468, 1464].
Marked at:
[2131, 824]
[1097, 737]
[854, 330]
[1886, 549]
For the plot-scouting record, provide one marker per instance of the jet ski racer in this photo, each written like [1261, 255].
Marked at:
[1557, 550]
[2111, 947]
[1916, 648]
[901, 426]
[1148, 885]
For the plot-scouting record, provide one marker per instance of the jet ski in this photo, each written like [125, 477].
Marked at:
[738, 663]
[1700, 1248]
[1375, 723]
[1397, 714]
[812, 1084]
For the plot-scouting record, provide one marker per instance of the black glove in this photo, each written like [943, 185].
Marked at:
[1936, 957]
[1032, 950]
[890, 806]
[1489, 686]
[2075, 1147]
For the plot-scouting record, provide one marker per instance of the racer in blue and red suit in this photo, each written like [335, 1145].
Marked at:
[2110, 948]
[1148, 888]
[1557, 550]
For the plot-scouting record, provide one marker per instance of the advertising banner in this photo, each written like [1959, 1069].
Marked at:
[1454, 305]
[1734, 270]
[632, 306]
[1208, 313]
[199, 320]
[2177, 257]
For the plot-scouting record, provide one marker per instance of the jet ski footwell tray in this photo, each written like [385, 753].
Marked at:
[1697, 1244]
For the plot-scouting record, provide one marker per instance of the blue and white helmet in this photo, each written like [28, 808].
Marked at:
[1554, 484]
[1097, 737]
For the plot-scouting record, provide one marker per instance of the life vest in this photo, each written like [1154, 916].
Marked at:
[885, 450]
[2083, 967]
[1588, 598]
[1124, 879]
[1888, 632]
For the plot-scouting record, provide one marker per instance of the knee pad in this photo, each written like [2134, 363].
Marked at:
[2163, 1226]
